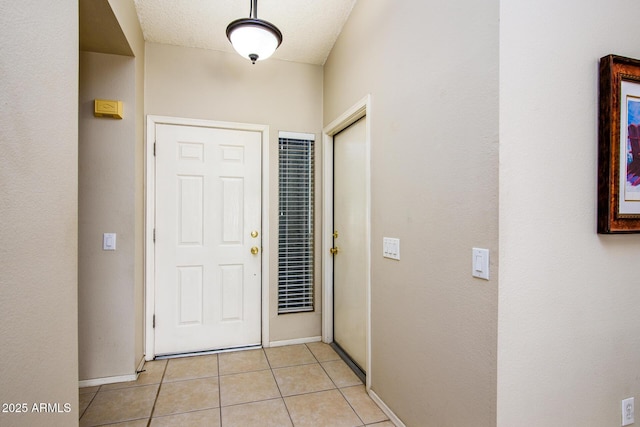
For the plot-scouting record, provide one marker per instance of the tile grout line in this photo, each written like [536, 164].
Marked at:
[218, 376]
[153, 408]
[351, 406]
[336, 386]
[89, 404]
[286, 408]
[339, 390]
[219, 390]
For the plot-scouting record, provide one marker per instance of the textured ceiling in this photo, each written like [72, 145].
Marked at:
[309, 27]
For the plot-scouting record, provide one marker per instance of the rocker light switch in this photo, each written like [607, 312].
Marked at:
[109, 242]
[480, 263]
[391, 248]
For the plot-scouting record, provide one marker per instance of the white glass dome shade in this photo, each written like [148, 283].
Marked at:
[254, 38]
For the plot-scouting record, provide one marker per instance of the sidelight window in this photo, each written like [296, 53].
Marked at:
[295, 222]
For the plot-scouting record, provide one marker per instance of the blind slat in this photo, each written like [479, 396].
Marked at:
[295, 226]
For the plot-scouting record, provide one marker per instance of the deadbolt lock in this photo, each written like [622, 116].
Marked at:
[335, 234]
[254, 234]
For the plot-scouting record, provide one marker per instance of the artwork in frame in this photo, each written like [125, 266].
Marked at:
[619, 146]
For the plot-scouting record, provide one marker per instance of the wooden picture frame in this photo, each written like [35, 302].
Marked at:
[619, 146]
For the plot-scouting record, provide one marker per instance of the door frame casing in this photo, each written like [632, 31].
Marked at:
[149, 218]
[360, 109]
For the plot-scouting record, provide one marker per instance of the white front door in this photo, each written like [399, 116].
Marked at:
[350, 237]
[208, 238]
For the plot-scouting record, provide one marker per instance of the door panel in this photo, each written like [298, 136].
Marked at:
[208, 200]
[350, 263]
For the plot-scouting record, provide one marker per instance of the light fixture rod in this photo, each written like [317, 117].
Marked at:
[254, 9]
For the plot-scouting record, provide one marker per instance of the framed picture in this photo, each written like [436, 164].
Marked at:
[619, 146]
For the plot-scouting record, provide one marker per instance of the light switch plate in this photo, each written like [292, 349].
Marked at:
[391, 248]
[628, 412]
[109, 242]
[480, 263]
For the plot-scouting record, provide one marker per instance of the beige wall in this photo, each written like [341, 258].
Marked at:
[569, 298]
[287, 96]
[127, 17]
[106, 204]
[111, 200]
[432, 71]
[568, 314]
[38, 209]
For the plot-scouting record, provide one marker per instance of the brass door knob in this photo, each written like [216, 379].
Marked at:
[255, 250]
[254, 234]
[334, 251]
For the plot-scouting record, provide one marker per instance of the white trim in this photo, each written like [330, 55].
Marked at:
[295, 341]
[112, 380]
[297, 135]
[149, 253]
[360, 109]
[349, 117]
[327, 239]
[388, 412]
[266, 243]
[107, 380]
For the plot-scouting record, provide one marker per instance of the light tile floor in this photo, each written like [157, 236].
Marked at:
[305, 385]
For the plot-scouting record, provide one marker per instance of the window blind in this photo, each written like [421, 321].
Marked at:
[295, 223]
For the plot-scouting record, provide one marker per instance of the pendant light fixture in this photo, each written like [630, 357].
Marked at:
[254, 38]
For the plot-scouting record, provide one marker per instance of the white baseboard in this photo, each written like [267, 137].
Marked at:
[392, 417]
[107, 380]
[294, 341]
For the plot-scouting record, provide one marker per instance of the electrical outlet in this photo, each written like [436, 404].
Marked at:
[627, 412]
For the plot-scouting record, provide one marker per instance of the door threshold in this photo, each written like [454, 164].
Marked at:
[350, 363]
[206, 352]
